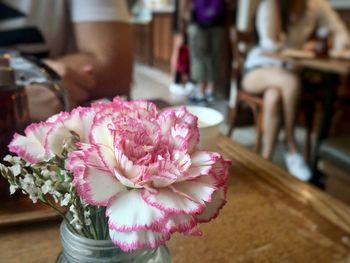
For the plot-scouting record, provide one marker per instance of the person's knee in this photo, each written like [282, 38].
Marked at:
[272, 98]
[272, 102]
[292, 83]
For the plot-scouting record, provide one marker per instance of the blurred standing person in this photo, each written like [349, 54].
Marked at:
[180, 58]
[280, 24]
[206, 33]
[87, 42]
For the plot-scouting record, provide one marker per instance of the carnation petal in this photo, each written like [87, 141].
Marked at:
[80, 121]
[31, 146]
[138, 239]
[166, 120]
[186, 117]
[202, 162]
[125, 181]
[56, 137]
[197, 190]
[142, 108]
[127, 211]
[212, 208]
[126, 167]
[100, 131]
[219, 171]
[95, 182]
[171, 202]
[180, 223]
[194, 232]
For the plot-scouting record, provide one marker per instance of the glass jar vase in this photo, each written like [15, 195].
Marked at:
[78, 249]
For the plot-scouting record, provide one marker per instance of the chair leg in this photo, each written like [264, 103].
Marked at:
[309, 117]
[233, 116]
[258, 128]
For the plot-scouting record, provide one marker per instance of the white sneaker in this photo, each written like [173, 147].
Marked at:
[196, 96]
[177, 89]
[189, 87]
[209, 95]
[181, 90]
[297, 166]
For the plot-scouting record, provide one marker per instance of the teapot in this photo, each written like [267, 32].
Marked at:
[16, 72]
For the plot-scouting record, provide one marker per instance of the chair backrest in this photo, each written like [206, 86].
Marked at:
[242, 41]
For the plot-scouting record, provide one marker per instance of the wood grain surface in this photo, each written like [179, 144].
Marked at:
[269, 217]
[21, 210]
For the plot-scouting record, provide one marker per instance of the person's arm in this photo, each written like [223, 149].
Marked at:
[102, 65]
[330, 19]
[185, 7]
[268, 25]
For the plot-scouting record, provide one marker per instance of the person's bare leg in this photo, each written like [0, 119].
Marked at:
[262, 79]
[287, 83]
[271, 120]
[290, 97]
[201, 87]
[210, 87]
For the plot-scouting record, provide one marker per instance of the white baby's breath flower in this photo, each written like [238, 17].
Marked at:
[45, 173]
[16, 159]
[78, 226]
[47, 187]
[35, 194]
[8, 158]
[16, 169]
[65, 201]
[75, 222]
[72, 209]
[88, 221]
[27, 182]
[57, 194]
[86, 214]
[53, 176]
[13, 188]
[66, 176]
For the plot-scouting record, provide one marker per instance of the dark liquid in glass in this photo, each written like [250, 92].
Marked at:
[14, 116]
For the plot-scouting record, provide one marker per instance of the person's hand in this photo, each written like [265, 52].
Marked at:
[78, 81]
[310, 46]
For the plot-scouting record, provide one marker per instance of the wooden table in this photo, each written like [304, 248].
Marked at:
[327, 65]
[333, 68]
[269, 217]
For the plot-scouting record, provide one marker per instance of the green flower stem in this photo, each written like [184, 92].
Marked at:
[49, 203]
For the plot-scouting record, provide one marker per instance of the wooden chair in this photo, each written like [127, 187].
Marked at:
[241, 41]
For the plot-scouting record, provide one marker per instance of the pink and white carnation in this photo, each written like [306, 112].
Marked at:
[142, 164]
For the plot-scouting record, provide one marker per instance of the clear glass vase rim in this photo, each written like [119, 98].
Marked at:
[84, 240]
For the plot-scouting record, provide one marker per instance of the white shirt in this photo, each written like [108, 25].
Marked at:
[44, 27]
[318, 14]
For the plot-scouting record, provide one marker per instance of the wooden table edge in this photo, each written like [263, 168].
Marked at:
[327, 206]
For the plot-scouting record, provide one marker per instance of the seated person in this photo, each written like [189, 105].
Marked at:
[87, 42]
[279, 24]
